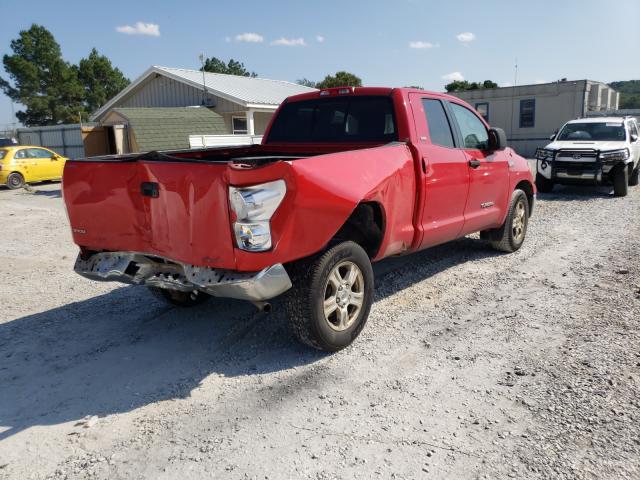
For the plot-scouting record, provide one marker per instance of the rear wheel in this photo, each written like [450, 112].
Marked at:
[331, 297]
[178, 298]
[621, 181]
[634, 176]
[510, 236]
[543, 184]
[15, 180]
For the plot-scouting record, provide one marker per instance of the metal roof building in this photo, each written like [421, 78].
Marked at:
[245, 104]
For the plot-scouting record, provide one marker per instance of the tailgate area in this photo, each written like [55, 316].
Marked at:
[174, 210]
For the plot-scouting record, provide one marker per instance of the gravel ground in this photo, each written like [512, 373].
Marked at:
[473, 364]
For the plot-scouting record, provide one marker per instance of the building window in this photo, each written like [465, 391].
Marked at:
[483, 110]
[239, 125]
[527, 113]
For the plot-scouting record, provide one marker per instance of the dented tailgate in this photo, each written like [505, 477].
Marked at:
[174, 210]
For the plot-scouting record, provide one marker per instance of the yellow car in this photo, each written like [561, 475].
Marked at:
[26, 164]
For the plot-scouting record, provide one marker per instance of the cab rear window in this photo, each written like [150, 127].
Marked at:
[336, 119]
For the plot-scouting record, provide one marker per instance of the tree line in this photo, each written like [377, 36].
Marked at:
[52, 89]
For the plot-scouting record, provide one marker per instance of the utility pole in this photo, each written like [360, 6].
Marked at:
[204, 85]
[513, 99]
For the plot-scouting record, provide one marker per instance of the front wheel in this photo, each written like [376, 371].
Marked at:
[178, 298]
[331, 297]
[621, 181]
[510, 236]
[15, 180]
[634, 177]
[543, 184]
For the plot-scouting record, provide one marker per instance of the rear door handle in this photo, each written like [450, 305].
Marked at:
[473, 163]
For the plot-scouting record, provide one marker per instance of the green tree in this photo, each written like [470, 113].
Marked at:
[462, 85]
[340, 79]
[233, 67]
[629, 93]
[100, 80]
[41, 80]
[305, 82]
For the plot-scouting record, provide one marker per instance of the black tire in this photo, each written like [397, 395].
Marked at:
[15, 180]
[178, 298]
[312, 288]
[621, 181]
[510, 237]
[634, 177]
[543, 184]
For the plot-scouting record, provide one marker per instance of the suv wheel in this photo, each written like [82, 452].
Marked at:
[620, 181]
[543, 184]
[15, 180]
[634, 176]
[510, 236]
[178, 298]
[331, 297]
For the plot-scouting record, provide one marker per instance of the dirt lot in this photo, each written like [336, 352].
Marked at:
[473, 364]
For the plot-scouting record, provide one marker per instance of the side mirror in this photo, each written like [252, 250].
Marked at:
[497, 139]
[634, 137]
[553, 136]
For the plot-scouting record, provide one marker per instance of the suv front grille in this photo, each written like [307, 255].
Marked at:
[589, 155]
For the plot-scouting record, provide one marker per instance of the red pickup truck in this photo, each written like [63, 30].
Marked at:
[343, 177]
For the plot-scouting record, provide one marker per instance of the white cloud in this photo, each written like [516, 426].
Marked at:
[140, 28]
[290, 42]
[319, 38]
[227, 39]
[466, 37]
[538, 82]
[249, 37]
[453, 76]
[421, 44]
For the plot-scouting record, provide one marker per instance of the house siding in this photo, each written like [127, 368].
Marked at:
[166, 92]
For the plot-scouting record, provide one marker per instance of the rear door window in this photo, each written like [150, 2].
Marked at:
[474, 133]
[438, 123]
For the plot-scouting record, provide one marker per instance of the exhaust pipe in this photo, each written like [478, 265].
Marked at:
[264, 307]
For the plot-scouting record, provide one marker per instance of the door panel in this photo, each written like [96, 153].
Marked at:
[48, 165]
[488, 172]
[445, 176]
[27, 164]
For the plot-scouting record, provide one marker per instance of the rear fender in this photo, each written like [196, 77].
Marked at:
[323, 191]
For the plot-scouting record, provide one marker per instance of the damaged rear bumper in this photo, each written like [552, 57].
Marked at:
[141, 269]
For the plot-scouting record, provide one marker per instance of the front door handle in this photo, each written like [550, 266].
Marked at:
[473, 163]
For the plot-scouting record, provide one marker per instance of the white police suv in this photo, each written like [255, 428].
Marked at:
[591, 151]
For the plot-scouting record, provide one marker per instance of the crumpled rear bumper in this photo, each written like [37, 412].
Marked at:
[141, 269]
